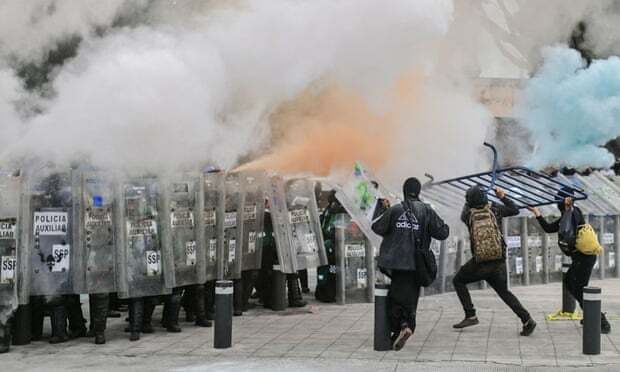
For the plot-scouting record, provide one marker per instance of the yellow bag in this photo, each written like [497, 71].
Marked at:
[587, 241]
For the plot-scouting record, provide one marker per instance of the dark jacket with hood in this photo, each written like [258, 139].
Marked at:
[477, 198]
[399, 232]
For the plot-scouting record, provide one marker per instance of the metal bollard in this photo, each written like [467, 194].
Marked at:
[591, 320]
[278, 294]
[568, 301]
[223, 314]
[382, 340]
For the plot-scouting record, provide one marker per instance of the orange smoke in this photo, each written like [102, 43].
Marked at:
[320, 133]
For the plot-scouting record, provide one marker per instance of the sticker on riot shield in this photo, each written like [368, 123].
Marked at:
[190, 253]
[299, 216]
[230, 220]
[96, 218]
[61, 254]
[182, 219]
[212, 250]
[361, 278]
[7, 230]
[311, 245]
[539, 264]
[355, 250]
[153, 263]
[50, 223]
[232, 247]
[249, 213]
[558, 262]
[612, 260]
[141, 228]
[8, 265]
[209, 217]
[519, 265]
[513, 241]
[252, 242]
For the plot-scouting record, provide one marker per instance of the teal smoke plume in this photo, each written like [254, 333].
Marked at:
[571, 110]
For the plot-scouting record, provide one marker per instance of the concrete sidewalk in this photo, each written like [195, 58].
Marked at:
[333, 337]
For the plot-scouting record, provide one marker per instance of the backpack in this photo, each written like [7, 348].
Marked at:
[486, 238]
[587, 241]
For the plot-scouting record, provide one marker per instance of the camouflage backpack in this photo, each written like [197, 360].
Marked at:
[485, 235]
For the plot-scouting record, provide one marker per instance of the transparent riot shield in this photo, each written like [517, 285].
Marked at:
[48, 255]
[354, 258]
[183, 242]
[231, 230]
[95, 253]
[212, 217]
[140, 267]
[10, 189]
[295, 218]
[253, 186]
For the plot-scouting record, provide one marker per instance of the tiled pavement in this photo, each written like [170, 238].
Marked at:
[332, 337]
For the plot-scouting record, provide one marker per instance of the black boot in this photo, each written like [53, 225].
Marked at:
[200, 308]
[38, 315]
[99, 317]
[210, 299]
[187, 302]
[58, 318]
[136, 317]
[237, 297]
[5, 337]
[77, 327]
[147, 315]
[605, 326]
[295, 298]
[171, 311]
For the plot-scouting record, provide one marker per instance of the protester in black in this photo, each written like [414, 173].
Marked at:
[578, 274]
[493, 272]
[405, 227]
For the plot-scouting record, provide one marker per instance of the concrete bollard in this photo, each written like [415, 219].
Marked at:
[278, 294]
[223, 314]
[569, 304]
[591, 320]
[382, 340]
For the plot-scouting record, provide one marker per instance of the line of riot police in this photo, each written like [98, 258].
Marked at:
[145, 240]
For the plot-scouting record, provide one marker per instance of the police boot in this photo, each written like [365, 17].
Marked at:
[99, 317]
[5, 338]
[210, 299]
[147, 315]
[38, 315]
[200, 308]
[136, 314]
[58, 318]
[295, 298]
[237, 297]
[77, 327]
[171, 311]
[187, 302]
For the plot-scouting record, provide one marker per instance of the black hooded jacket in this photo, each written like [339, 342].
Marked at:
[397, 247]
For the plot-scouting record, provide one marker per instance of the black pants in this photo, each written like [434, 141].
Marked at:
[495, 274]
[403, 300]
[578, 275]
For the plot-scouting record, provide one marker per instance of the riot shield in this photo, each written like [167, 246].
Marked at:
[94, 245]
[231, 230]
[212, 214]
[295, 218]
[48, 255]
[139, 253]
[10, 189]
[253, 185]
[184, 253]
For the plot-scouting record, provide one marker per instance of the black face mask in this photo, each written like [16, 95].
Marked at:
[476, 197]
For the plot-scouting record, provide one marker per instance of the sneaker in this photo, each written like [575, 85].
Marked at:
[528, 327]
[467, 322]
[402, 338]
